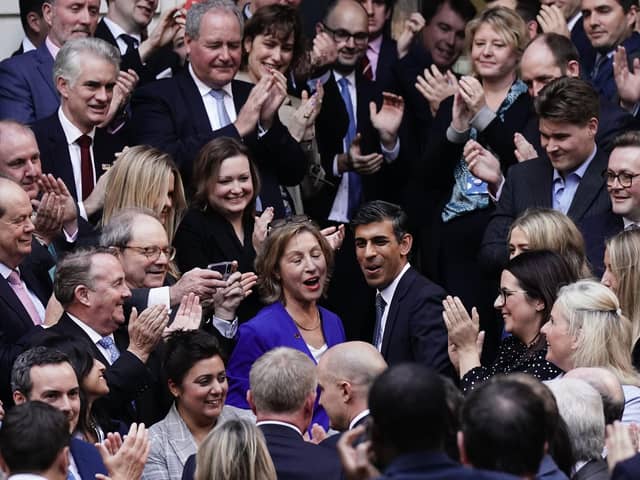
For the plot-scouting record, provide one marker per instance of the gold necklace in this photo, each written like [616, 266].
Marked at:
[306, 329]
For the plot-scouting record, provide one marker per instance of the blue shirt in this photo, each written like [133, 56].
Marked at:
[564, 188]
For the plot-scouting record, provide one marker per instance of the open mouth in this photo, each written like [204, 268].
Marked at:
[372, 269]
[214, 403]
[312, 283]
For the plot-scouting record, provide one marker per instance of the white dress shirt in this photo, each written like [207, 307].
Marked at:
[210, 102]
[387, 295]
[116, 30]
[95, 337]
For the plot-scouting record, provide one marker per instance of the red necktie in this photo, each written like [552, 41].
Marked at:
[85, 165]
[366, 68]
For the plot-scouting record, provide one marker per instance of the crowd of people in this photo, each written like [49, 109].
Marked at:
[267, 240]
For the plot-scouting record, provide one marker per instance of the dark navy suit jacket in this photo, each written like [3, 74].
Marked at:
[170, 114]
[596, 230]
[627, 470]
[87, 458]
[27, 92]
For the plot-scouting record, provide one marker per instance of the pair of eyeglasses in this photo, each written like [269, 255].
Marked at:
[281, 222]
[153, 253]
[625, 179]
[504, 293]
[341, 35]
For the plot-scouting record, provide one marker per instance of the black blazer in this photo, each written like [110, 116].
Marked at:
[296, 459]
[387, 58]
[170, 114]
[161, 60]
[128, 378]
[627, 470]
[415, 330]
[596, 230]
[54, 150]
[529, 184]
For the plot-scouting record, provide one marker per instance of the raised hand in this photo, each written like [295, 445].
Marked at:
[49, 184]
[388, 119]
[435, 87]
[188, 316]
[200, 281]
[145, 330]
[304, 118]
[125, 84]
[95, 201]
[227, 300]
[334, 235]
[356, 460]
[460, 113]
[472, 93]
[170, 22]
[619, 443]
[125, 460]
[261, 228]
[48, 218]
[524, 150]
[277, 95]
[412, 27]
[551, 20]
[464, 333]
[627, 81]
[482, 163]
[324, 51]
[363, 164]
[249, 114]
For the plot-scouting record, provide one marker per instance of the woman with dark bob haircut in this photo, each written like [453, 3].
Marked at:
[219, 225]
[197, 380]
[528, 288]
[293, 269]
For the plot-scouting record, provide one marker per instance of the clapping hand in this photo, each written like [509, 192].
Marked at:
[627, 81]
[524, 150]
[435, 87]
[125, 460]
[388, 119]
[482, 163]
[551, 20]
[464, 334]
[188, 316]
[412, 27]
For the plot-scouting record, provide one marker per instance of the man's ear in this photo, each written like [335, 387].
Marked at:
[252, 405]
[47, 12]
[81, 294]
[33, 20]
[573, 68]
[405, 244]
[62, 461]
[19, 398]
[346, 390]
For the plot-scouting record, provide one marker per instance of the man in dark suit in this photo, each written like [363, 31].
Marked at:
[46, 375]
[569, 180]
[552, 56]
[408, 322]
[150, 55]
[72, 147]
[25, 286]
[90, 286]
[408, 395]
[345, 374]
[284, 417]
[33, 24]
[181, 114]
[628, 469]
[27, 92]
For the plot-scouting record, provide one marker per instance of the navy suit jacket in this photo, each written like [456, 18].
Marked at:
[596, 230]
[434, 465]
[87, 458]
[627, 470]
[296, 459]
[170, 114]
[27, 92]
[415, 330]
[387, 58]
[54, 150]
[530, 184]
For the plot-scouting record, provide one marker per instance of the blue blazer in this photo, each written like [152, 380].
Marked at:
[87, 459]
[27, 92]
[273, 327]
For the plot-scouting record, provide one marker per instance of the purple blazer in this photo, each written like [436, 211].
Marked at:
[273, 327]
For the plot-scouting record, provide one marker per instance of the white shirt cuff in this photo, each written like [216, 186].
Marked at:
[82, 211]
[159, 296]
[391, 155]
[496, 198]
[226, 328]
[336, 173]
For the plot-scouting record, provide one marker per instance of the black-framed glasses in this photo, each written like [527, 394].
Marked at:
[153, 253]
[342, 35]
[504, 293]
[625, 179]
[281, 222]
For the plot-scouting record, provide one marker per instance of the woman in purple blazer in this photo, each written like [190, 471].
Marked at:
[293, 269]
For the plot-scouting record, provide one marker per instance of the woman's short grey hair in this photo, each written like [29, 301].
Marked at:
[281, 380]
[68, 61]
[199, 10]
[118, 232]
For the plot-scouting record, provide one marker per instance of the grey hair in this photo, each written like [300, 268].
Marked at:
[118, 232]
[75, 270]
[68, 61]
[580, 406]
[199, 10]
[37, 356]
[281, 380]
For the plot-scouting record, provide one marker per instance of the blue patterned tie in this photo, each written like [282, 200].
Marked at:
[223, 116]
[355, 182]
[377, 331]
[108, 344]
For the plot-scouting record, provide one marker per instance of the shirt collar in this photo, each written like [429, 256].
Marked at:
[93, 335]
[276, 422]
[71, 132]
[204, 89]
[358, 417]
[573, 20]
[375, 44]
[579, 172]
[117, 30]
[350, 76]
[5, 270]
[52, 47]
[389, 290]
[27, 45]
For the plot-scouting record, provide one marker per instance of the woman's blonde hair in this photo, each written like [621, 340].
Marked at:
[602, 333]
[548, 229]
[138, 179]
[624, 255]
[236, 450]
[268, 259]
[505, 22]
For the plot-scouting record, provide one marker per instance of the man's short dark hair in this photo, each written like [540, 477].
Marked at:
[568, 100]
[627, 139]
[627, 4]
[379, 211]
[464, 8]
[409, 409]
[32, 436]
[34, 357]
[504, 428]
[26, 7]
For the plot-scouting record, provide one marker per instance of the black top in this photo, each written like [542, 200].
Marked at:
[513, 356]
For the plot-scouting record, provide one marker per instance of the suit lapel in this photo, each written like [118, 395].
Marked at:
[589, 188]
[180, 439]
[69, 328]
[240, 92]
[193, 101]
[60, 154]
[541, 193]
[392, 316]
[10, 298]
[45, 67]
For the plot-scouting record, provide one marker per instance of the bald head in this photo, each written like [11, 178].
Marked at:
[347, 21]
[345, 374]
[607, 385]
